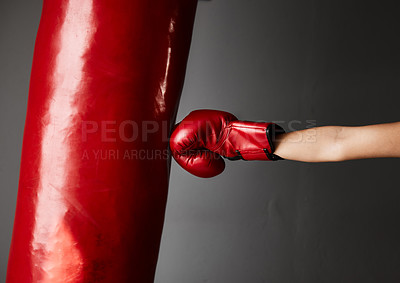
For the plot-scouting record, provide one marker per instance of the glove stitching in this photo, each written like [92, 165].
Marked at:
[226, 131]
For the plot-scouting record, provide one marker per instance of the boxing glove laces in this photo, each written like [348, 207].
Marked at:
[201, 138]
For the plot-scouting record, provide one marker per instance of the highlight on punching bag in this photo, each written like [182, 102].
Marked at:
[105, 85]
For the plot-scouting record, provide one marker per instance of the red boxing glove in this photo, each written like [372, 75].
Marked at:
[199, 141]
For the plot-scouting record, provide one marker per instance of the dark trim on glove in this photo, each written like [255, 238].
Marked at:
[272, 131]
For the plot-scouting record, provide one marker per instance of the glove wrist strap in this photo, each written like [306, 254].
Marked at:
[254, 140]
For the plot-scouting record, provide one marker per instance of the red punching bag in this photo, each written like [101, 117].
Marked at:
[105, 86]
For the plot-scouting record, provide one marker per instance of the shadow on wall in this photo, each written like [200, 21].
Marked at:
[301, 63]
[328, 62]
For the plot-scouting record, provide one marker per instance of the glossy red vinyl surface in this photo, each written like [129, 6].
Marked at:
[105, 86]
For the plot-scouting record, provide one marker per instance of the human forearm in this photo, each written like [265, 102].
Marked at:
[336, 143]
[309, 145]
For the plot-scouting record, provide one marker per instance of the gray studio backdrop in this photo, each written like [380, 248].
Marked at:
[302, 63]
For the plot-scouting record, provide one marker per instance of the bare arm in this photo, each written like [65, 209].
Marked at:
[336, 143]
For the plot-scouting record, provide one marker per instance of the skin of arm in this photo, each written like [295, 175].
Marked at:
[337, 143]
